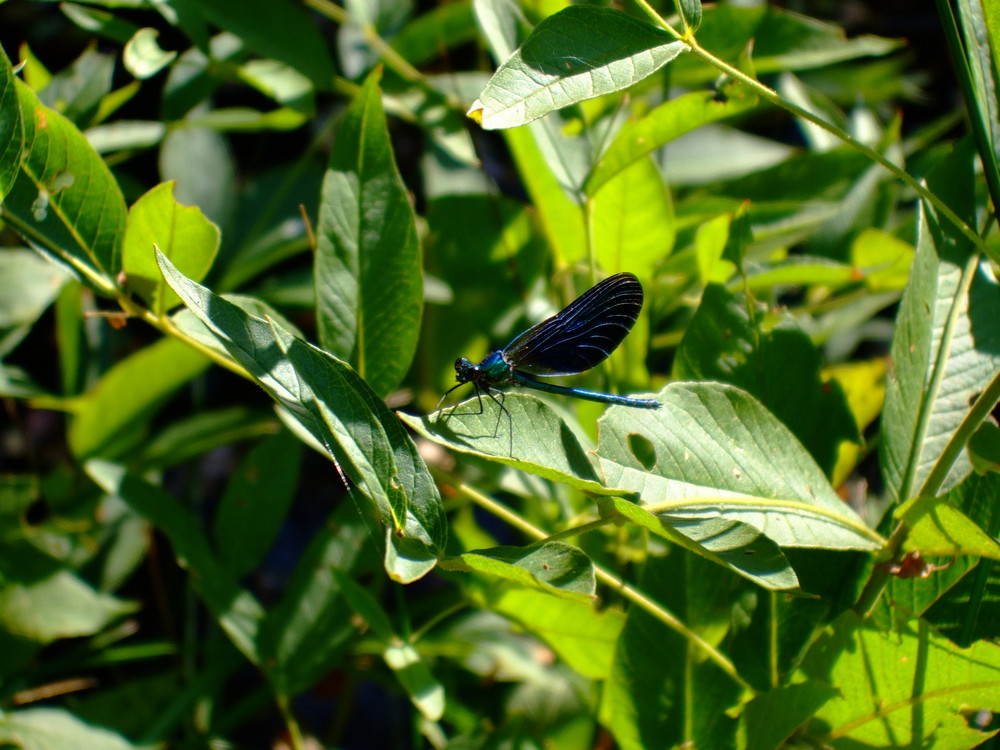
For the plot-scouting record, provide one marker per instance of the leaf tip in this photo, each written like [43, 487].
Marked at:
[475, 112]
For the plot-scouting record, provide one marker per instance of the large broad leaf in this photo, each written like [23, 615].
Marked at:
[64, 198]
[946, 347]
[780, 367]
[527, 434]
[582, 634]
[11, 127]
[368, 279]
[908, 688]
[341, 413]
[713, 452]
[579, 53]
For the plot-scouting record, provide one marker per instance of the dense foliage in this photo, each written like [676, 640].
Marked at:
[243, 244]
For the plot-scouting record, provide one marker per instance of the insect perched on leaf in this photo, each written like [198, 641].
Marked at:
[572, 341]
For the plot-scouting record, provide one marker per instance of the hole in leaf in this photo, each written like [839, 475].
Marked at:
[643, 450]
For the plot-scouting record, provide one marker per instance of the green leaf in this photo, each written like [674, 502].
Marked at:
[425, 691]
[670, 120]
[938, 528]
[76, 92]
[368, 277]
[770, 719]
[886, 259]
[782, 41]
[235, 609]
[632, 222]
[109, 417]
[541, 442]
[343, 414]
[58, 605]
[123, 135]
[280, 82]
[579, 53]
[561, 218]
[65, 199]
[281, 29]
[733, 544]
[204, 431]
[690, 11]
[581, 634]
[658, 673]
[256, 500]
[780, 367]
[182, 233]
[985, 448]
[99, 22]
[56, 729]
[946, 347]
[713, 452]
[909, 687]
[11, 127]
[553, 567]
[28, 285]
[143, 57]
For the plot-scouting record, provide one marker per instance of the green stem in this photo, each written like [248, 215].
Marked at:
[291, 723]
[609, 579]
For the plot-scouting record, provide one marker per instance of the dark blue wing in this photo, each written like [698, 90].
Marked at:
[581, 335]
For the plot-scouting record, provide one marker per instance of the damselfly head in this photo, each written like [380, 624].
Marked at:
[464, 370]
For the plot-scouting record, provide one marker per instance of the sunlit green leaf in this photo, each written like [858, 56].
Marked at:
[368, 285]
[577, 54]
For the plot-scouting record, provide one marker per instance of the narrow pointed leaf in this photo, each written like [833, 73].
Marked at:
[554, 567]
[670, 120]
[946, 347]
[579, 53]
[342, 413]
[368, 279]
[110, 418]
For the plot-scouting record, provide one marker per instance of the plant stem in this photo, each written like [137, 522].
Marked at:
[609, 579]
[291, 723]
